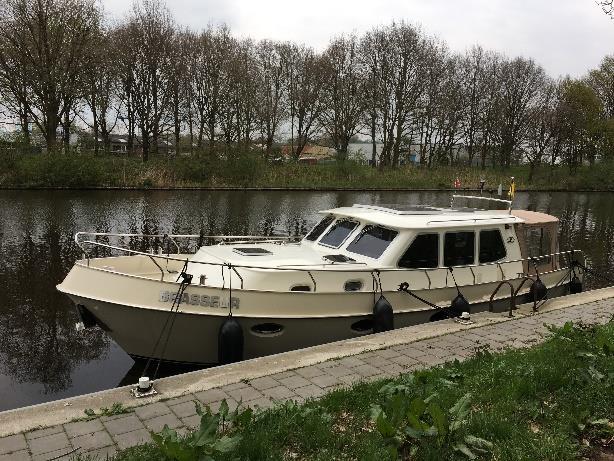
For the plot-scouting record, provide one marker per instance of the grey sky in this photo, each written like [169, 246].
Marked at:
[565, 36]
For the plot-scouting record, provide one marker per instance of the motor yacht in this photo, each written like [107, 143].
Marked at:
[361, 269]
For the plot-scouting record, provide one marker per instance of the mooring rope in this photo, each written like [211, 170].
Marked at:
[172, 313]
[592, 272]
[404, 287]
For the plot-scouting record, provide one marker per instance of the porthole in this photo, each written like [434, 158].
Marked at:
[300, 288]
[353, 285]
[363, 326]
[267, 329]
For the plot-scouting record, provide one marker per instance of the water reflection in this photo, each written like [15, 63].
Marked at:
[43, 358]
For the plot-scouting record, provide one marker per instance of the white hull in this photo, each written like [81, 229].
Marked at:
[136, 327]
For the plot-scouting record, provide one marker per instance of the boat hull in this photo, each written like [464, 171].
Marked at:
[194, 336]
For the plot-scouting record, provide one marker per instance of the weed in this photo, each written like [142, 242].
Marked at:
[115, 409]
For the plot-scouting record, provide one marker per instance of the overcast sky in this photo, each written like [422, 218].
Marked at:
[565, 36]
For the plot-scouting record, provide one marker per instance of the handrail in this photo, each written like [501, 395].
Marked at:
[171, 237]
[525, 279]
[159, 267]
[428, 277]
[308, 268]
[512, 297]
[479, 197]
[489, 218]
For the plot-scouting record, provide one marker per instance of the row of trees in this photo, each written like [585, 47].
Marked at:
[61, 64]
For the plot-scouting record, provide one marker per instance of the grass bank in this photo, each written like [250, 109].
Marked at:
[551, 402]
[87, 171]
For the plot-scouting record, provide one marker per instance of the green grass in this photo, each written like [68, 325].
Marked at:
[250, 170]
[552, 402]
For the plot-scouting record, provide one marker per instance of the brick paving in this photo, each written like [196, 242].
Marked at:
[103, 436]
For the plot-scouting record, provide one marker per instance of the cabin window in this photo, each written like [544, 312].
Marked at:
[319, 228]
[459, 248]
[372, 241]
[492, 247]
[337, 234]
[422, 253]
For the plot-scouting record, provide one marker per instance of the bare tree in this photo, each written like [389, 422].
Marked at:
[43, 57]
[305, 81]
[474, 85]
[271, 72]
[179, 84]
[607, 6]
[428, 119]
[151, 34]
[101, 91]
[372, 50]
[15, 96]
[209, 52]
[400, 77]
[238, 109]
[521, 83]
[343, 104]
[541, 127]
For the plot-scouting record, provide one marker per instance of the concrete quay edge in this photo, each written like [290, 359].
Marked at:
[70, 409]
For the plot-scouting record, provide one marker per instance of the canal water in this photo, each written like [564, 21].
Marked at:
[43, 358]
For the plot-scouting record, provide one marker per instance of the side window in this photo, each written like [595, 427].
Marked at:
[338, 233]
[372, 241]
[459, 248]
[538, 243]
[492, 247]
[422, 253]
[319, 228]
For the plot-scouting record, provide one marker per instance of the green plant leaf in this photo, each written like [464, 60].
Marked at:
[223, 411]
[413, 433]
[440, 421]
[477, 442]
[417, 407]
[459, 411]
[384, 427]
[595, 374]
[226, 444]
[600, 422]
[464, 449]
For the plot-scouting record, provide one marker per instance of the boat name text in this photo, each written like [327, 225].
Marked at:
[199, 300]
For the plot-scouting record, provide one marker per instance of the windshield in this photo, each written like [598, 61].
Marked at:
[338, 233]
[372, 241]
[319, 228]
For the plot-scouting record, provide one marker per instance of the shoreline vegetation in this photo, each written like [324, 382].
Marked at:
[145, 85]
[252, 172]
[552, 401]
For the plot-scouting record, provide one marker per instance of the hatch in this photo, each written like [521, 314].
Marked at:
[251, 251]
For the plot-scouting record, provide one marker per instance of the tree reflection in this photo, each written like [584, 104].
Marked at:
[37, 334]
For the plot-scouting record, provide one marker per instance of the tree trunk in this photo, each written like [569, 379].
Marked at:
[145, 144]
[51, 128]
[373, 144]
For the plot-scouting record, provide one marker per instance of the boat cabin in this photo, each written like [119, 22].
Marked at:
[483, 246]
[420, 237]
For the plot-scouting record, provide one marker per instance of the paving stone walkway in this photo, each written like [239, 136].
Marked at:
[105, 435]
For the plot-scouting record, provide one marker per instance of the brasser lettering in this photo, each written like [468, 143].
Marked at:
[199, 300]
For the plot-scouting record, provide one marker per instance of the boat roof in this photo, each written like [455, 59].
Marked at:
[421, 217]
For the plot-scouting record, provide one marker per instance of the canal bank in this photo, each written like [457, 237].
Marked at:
[49, 430]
